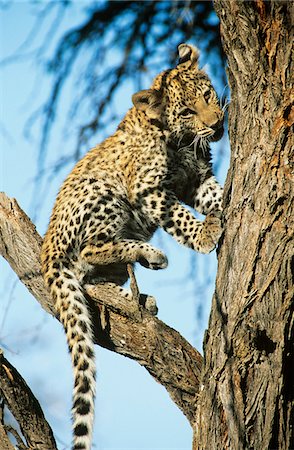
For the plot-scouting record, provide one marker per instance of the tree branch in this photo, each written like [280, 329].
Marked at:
[25, 408]
[120, 325]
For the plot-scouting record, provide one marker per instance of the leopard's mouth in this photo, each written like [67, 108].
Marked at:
[218, 134]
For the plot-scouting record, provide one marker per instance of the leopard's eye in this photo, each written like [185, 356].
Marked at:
[206, 95]
[187, 112]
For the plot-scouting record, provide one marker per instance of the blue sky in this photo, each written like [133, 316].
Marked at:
[133, 411]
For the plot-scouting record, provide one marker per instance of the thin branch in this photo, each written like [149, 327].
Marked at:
[120, 325]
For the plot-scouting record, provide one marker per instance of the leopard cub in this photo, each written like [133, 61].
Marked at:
[115, 198]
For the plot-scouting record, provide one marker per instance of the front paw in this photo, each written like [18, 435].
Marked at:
[210, 233]
[217, 213]
[153, 259]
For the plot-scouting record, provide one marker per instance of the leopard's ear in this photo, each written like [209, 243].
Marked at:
[188, 56]
[150, 101]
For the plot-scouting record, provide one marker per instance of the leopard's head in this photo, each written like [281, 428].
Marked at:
[183, 101]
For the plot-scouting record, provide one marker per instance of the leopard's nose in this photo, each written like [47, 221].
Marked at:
[218, 122]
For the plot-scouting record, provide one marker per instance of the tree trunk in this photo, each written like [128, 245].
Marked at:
[246, 398]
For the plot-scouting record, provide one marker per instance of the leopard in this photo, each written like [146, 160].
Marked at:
[154, 172]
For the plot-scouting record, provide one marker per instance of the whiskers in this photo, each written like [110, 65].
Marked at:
[199, 142]
[225, 106]
[224, 100]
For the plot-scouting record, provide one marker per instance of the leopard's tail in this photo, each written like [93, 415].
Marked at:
[71, 305]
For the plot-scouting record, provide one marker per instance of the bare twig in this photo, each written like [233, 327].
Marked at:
[133, 283]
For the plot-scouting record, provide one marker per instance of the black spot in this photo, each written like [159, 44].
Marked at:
[81, 430]
[178, 232]
[66, 263]
[170, 224]
[77, 310]
[72, 288]
[84, 365]
[46, 259]
[84, 387]
[101, 237]
[81, 406]
[68, 276]
[83, 326]
[50, 281]
[90, 353]
[56, 265]
[79, 447]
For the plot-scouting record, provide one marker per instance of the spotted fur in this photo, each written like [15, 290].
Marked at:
[116, 197]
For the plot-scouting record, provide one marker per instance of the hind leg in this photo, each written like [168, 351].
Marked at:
[126, 251]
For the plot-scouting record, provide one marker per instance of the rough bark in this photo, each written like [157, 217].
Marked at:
[121, 326]
[6, 444]
[246, 400]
